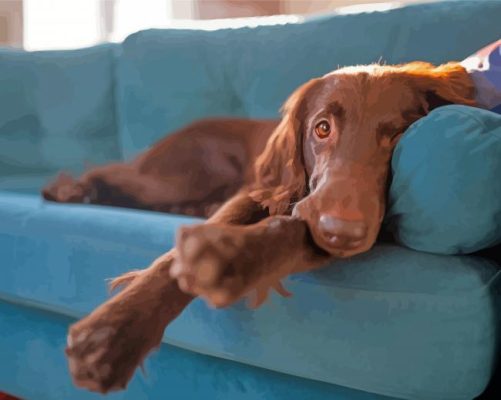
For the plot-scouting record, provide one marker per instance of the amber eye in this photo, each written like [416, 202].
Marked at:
[323, 129]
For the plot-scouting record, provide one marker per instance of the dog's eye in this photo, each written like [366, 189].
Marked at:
[323, 129]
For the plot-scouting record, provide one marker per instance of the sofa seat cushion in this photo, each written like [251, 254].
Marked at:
[392, 321]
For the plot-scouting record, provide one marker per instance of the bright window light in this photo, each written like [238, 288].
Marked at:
[132, 16]
[61, 24]
[67, 24]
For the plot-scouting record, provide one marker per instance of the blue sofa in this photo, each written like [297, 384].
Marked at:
[392, 323]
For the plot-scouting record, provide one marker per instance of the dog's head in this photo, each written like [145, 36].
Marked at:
[328, 160]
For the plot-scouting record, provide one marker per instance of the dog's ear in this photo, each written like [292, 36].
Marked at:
[280, 177]
[438, 86]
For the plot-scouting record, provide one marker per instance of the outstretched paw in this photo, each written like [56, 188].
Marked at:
[220, 264]
[205, 264]
[104, 349]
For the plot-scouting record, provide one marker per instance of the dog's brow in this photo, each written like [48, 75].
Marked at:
[335, 109]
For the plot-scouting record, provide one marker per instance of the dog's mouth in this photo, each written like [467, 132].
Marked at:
[340, 248]
[318, 249]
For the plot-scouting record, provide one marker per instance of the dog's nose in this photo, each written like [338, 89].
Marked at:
[342, 233]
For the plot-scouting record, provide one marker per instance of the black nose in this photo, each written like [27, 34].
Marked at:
[342, 233]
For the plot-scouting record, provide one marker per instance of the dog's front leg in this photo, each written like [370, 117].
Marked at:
[106, 347]
[223, 263]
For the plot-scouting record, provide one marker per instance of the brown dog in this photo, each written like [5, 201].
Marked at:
[316, 192]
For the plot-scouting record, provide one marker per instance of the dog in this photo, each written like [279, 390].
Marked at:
[281, 196]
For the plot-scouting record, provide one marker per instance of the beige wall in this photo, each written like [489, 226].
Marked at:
[11, 23]
[205, 9]
[317, 6]
[183, 9]
[211, 9]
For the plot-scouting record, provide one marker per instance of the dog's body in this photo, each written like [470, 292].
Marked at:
[191, 171]
[298, 193]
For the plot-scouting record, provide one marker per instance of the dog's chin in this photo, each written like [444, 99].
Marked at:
[345, 252]
[342, 250]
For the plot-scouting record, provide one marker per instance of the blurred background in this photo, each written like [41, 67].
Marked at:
[63, 24]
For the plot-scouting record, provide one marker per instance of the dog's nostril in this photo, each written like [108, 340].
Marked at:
[338, 228]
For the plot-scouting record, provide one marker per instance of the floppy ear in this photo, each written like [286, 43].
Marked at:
[438, 86]
[280, 177]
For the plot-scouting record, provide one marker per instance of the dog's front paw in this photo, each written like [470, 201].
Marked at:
[90, 362]
[104, 351]
[212, 263]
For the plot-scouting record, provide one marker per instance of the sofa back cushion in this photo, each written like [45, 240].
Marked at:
[168, 78]
[56, 112]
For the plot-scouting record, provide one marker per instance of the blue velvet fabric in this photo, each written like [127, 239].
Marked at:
[356, 323]
[57, 111]
[33, 343]
[171, 77]
[445, 193]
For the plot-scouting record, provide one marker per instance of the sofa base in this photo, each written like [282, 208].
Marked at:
[34, 338]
